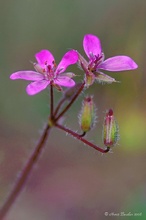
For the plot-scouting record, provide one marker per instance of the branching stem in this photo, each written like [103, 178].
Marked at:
[82, 139]
[71, 102]
[53, 121]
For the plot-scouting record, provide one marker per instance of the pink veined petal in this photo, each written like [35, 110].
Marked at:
[92, 46]
[36, 87]
[118, 63]
[64, 81]
[44, 56]
[27, 75]
[69, 58]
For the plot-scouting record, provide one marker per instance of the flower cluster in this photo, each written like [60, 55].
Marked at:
[48, 73]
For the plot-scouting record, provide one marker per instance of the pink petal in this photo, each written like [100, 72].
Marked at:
[91, 45]
[27, 75]
[71, 57]
[44, 56]
[36, 87]
[64, 81]
[118, 63]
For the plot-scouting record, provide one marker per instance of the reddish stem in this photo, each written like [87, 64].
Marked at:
[82, 139]
[25, 173]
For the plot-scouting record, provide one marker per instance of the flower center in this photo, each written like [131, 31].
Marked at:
[95, 60]
[49, 71]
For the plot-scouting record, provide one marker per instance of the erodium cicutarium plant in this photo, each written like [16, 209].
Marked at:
[47, 74]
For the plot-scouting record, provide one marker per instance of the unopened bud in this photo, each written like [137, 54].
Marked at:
[87, 114]
[111, 129]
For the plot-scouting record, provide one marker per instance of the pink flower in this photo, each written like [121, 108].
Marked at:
[47, 72]
[96, 63]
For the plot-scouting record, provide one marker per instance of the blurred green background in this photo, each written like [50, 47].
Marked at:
[72, 181]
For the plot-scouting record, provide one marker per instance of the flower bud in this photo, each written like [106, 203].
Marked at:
[87, 114]
[110, 129]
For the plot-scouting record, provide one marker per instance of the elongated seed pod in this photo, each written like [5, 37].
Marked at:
[110, 129]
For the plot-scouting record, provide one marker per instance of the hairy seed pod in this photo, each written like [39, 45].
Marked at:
[87, 114]
[110, 129]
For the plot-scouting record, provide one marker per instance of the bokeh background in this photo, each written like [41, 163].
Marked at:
[72, 181]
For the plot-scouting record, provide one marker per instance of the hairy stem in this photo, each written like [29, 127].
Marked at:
[24, 174]
[82, 139]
